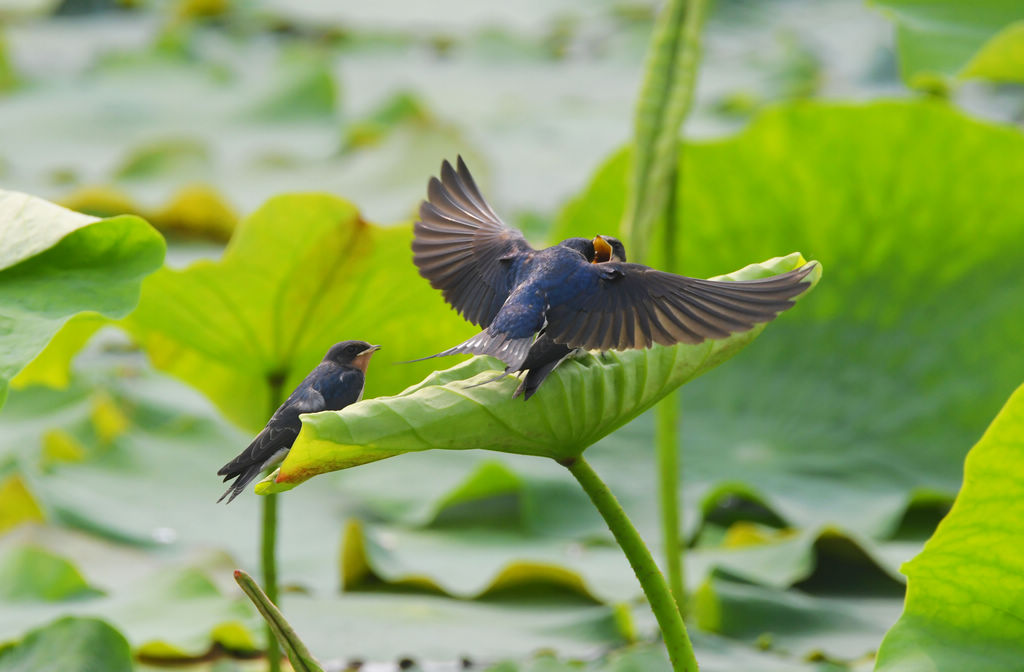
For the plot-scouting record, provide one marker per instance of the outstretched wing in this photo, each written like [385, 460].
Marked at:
[632, 306]
[463, 248]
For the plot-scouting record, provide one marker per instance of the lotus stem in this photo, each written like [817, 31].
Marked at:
[667, 443]
[268, 541]
[673, 630]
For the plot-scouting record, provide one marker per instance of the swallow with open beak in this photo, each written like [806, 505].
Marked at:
[566, 295]
[336, 382]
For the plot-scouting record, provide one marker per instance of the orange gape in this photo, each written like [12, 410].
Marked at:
[602, 250]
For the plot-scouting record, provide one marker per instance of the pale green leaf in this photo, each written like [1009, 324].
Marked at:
[55, 263]
[581, 402]
[52, 366]
[964, 609]
[1002, 57]
[34, 574]
[940, 39]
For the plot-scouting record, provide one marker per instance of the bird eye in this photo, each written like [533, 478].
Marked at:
[352, 349]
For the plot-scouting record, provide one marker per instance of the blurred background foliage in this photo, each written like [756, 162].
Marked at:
[881, 139]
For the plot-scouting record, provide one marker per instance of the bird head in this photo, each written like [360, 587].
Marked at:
[351, 353]
[582, 245]
[607, 248]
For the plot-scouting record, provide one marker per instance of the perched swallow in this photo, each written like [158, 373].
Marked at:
[490, 274]
[336, 382]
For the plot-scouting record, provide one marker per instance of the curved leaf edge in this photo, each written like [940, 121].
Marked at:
[298, 467]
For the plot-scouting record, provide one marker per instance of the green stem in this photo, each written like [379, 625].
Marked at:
[667, 441]
[677, 641]
[269, 559]
[268, 541]
[666, 435]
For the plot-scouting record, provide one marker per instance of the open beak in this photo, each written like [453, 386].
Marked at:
[602, 250]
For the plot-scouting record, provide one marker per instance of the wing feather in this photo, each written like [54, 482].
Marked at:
[633, 306]
[463, 248]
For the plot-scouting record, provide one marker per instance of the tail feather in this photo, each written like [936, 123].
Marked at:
[512, 351]
[243, 479]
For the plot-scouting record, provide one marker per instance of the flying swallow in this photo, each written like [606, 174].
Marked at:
[336, 382]
[495, 279]
[545, 355]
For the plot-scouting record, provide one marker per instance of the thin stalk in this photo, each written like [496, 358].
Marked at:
[666, 433]
[673, 631]
[269, 560]
[667, 443]
[268, 542]
[665, 102]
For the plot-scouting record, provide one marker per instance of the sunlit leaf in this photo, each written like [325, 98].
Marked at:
[580, 403]
[55, 263]
[300, 274]
[964, 608]
[17, 505]
[52, 366]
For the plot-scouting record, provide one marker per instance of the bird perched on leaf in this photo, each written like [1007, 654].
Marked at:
[572, 295]
[336, 382]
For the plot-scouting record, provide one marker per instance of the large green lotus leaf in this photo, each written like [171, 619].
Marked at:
[69, 645]
[581, 402]
[967, 38]
[299, 275]
[55, 263]
[964, 608]
[852, 410]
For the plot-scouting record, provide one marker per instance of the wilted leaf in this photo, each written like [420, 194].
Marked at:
[964, 609]
[299, 275]
[55, 263]
[581, 402]
[69, 645]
